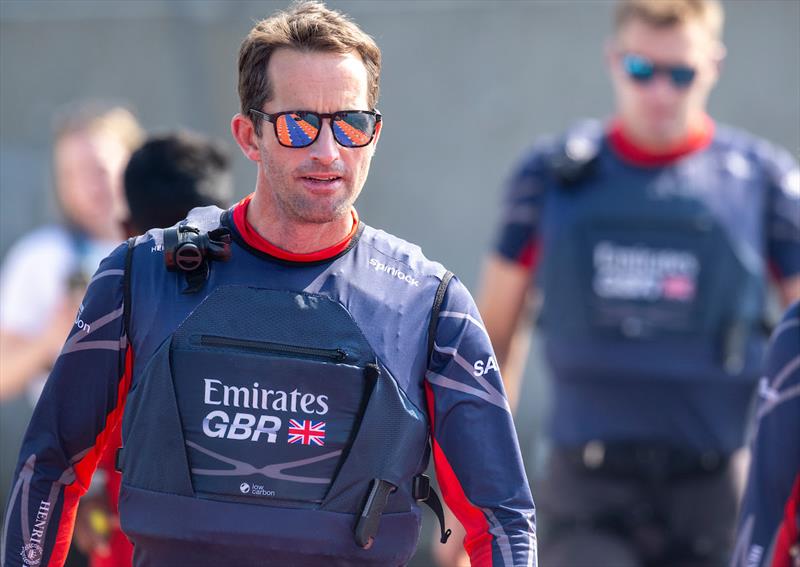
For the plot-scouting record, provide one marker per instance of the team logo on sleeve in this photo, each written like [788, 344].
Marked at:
[32, 554]
[307, 432]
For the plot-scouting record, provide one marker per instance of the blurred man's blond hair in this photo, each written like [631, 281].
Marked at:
[668, 13]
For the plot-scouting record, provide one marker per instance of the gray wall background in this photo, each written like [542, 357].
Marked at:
[466, 87]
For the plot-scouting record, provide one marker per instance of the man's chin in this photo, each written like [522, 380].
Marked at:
[316, 215]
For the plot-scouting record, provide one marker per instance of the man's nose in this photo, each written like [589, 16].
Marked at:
[661, 88]
[325, 149]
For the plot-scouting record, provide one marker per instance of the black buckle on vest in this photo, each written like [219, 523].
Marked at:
[188, 250]
[118, 460]
[421, 491]
[570, 169]
[367, 525]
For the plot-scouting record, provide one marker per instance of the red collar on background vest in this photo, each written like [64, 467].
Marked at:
[699, 138]
[253, 239]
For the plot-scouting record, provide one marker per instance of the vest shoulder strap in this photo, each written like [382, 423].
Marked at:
[437, 307]
[126, 289]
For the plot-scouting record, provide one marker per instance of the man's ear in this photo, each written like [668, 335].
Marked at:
[378, 128]
[245, 135]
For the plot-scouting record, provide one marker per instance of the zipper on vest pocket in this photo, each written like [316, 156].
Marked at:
[336, 355]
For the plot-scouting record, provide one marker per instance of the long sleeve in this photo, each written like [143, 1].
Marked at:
[78, 411]
[783, 213]
[475, 448]
[768, 524]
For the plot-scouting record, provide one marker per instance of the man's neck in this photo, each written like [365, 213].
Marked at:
[697, 128]
[292, 235]
[633, 150]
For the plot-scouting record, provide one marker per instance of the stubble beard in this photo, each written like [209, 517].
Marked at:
[296, 205]
[306, 209]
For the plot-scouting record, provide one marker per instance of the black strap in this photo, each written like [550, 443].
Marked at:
[421, 489]
[437, 306]
[126, 317]
[126, 288]
[422, 492]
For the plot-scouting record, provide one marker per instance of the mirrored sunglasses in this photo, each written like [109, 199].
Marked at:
[642, 70]
[300, 128]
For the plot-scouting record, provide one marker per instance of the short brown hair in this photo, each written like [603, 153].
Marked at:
[305, 26]
[667, 13]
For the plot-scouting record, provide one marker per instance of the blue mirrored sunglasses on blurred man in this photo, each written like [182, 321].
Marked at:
[642, 70]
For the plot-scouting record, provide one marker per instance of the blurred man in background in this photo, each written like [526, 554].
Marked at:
[650, 238]
[769, 522]
[46, 272]
[165, 178]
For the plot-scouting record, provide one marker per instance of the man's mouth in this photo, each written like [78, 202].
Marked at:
[321, 179]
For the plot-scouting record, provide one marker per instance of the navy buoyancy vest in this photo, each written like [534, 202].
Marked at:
[641, 278]
[257, 432]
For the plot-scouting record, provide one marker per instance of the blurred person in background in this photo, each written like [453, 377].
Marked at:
[647, 242]
[164, 179]
[46, 272]
[37, 308]
[769, 522]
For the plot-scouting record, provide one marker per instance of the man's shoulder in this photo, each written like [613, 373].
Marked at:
[384, 247]
[582, 140]
[730, 139]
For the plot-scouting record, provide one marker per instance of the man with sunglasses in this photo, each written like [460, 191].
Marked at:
[648, 240]
[282, 371]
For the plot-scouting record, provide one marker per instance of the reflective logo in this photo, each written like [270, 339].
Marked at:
[642, 273]
[392, 271]
[80, 323]
[481, 368]
[32, 554]
[255, 489]
[249, 426]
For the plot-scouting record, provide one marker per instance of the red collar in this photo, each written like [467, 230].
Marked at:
[255, 240]
[698, 139]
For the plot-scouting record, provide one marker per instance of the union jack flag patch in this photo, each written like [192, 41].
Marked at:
[307, 432]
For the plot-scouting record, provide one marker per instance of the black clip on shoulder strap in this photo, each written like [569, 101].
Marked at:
[189, 250]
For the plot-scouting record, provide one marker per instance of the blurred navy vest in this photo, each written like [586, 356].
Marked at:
[629, 271]
[651, 292]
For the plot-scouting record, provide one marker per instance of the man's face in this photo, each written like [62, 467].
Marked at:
[659, 112]
[318, 183]
[88, 178]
